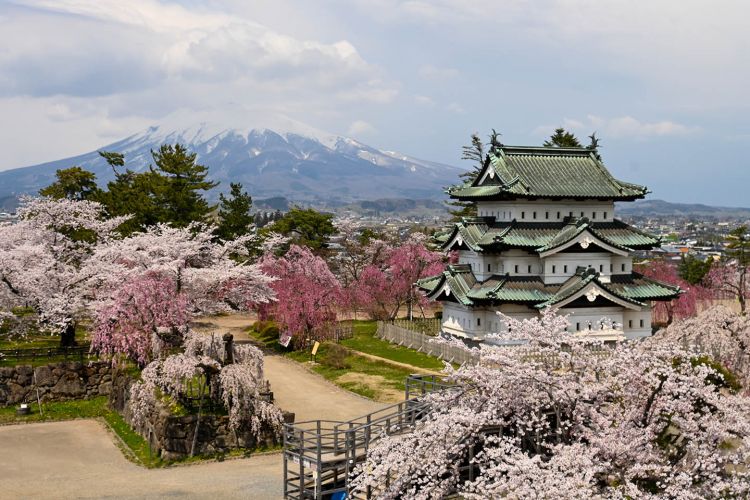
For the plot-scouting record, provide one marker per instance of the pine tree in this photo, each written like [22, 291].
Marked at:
[562, 139]
[475, 153]
[177, 184]
[235, 218]
[73, 183]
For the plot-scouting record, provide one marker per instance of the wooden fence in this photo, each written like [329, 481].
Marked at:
[424, 343]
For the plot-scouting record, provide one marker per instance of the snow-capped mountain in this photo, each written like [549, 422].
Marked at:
[280, 157]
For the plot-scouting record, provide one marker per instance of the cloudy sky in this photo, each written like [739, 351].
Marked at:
[664, 83]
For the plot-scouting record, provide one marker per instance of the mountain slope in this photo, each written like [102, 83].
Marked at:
[653, 208]
[291, 160]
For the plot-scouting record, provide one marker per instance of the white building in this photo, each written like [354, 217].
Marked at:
[545, 236]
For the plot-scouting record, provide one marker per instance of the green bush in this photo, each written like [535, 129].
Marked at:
[335, 356]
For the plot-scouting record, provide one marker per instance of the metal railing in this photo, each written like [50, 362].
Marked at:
[319, 455]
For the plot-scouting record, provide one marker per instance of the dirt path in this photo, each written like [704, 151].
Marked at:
[78, 459]
[414, 369]
[296, 389]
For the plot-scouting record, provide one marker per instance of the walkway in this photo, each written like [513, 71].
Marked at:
[78, 459]
[296, 389]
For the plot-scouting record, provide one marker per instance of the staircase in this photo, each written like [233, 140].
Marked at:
[319, 455]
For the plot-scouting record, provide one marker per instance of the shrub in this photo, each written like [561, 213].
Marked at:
[335, 357]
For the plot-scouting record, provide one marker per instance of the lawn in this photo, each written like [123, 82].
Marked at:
[364, 340]
[369, 378]
[373, 379]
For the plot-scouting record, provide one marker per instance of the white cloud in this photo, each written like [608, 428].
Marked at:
[360, 127]
[622, 126]
[424, 100]
[454, 107]
[431, 72]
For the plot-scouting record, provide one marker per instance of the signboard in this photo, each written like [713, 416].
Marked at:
[315, 348]
[285, 339]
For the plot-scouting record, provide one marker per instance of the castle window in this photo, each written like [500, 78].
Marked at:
[558, 215]
[529, 269]
[515, 268]
[593, 215]
[570, 214]
[489, 267]
[610, 268]
[641, 323]
[523, 215]
[546, 215]
[578, 327]
[553, 269]
[601, 268]
[533, 215]
[565, 269]
[581, 214]
[623, 267]
[605, 215]
[630, 323]
[479, 322]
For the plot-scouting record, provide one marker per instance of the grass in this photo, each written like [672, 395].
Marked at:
[378, 379]
[132, 444]
[364, 340]
[58, 410]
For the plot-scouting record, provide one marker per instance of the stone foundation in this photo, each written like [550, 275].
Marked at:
[56, 382]
[172, 436]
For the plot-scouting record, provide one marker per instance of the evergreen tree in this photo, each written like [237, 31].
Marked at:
[693, 270]
[73, 183]
[306, 227]
[235, 218]
[562, 139]
[131, 193]
[475, 153]
[177, 180]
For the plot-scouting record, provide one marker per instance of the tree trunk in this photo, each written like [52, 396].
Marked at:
[68, 335]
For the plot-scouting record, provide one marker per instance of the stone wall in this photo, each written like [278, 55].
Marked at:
[172, 436]
[56, 382]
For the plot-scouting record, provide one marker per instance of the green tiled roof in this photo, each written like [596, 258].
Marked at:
[640, 287]
[633, 288]
[481, 235]
[538, 172]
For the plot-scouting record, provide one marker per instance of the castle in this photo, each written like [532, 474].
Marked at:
[546, 236]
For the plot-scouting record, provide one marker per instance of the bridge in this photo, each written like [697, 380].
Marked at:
[319, 455]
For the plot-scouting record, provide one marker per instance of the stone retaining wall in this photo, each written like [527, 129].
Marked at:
[172, 436]
[56, 382]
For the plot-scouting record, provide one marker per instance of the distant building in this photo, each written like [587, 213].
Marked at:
[546, 236]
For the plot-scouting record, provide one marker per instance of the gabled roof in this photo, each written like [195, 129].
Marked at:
[482, 234]
[458, 283]
[586, 280]
[539, 172]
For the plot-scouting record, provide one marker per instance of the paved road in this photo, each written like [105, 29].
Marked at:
[78, 459]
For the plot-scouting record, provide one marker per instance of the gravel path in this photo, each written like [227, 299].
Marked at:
[308, 395]
[78, 459]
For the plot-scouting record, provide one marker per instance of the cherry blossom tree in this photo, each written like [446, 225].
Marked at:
[387, 285]
[688, 302]
[719, 332]
[307, 294]
[236, 385]
[561, 417]
[150, 285]
[44, 259]
[731, 280]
